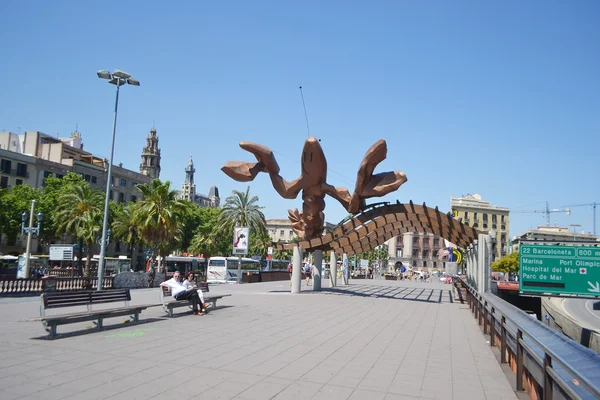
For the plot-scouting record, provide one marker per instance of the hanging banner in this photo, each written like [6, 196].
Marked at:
[241, 238]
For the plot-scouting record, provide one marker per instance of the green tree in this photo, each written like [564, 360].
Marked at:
[242, 209]
[78, 207]
[508, 263]
[88, 229]
[157, 214]
[207, 239]
[125, 226]
[259, 244]
[13, 203]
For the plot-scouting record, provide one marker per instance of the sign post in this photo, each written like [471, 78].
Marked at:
[269, 258]
[241, 237]
[559, 270]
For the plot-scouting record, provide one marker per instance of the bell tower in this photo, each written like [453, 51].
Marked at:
[150, 165]
[188, 189]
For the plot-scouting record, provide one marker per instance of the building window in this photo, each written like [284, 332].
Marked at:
[123, 182]
[19, 182]
[494, 218]
[434, 264]
[22, 170]
[466, 214]
[484, 226]
[118, 246]
[110, 196]
[475, 225]
[4, 182]
[87, 178]
[415, 253]
[503, 227]
[475, 216]
[94, 179]
[133, 184]
[121, 197]
[502, 219]
[484, 217]
[47, 174]
[133, 199]
[282, 233]
[5, 166]
[291, 234]
[493, 226]
[59, 176]
[414, 263]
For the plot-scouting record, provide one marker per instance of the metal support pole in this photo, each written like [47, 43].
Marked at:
[547, 378]
[29, 235]
[107, 194]
[503, 340]
[239, 271]
[333, 269]
[318, 254]
[493, 328]
[485, 319]
[519, 360]
[297, 270]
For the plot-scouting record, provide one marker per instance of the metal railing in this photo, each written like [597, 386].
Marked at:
[552, 365]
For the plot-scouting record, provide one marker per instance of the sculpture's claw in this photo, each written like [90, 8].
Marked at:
[242, 171]
[264, 155]
[369, 185]
[297, 222]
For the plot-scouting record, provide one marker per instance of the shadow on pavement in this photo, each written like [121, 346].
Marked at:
[93, 329]
[396, 293]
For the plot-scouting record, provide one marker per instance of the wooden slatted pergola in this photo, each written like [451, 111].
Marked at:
[374, 226]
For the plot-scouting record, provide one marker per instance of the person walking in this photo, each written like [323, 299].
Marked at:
[308, 273]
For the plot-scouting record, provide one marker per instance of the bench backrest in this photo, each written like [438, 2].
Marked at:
[84, 298]
[166, 291]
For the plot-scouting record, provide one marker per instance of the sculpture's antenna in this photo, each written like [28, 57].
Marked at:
[305, 114]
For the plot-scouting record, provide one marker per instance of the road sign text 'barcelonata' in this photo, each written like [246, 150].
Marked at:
[573, 270]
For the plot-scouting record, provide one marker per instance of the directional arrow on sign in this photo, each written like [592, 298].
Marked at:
[594, 288]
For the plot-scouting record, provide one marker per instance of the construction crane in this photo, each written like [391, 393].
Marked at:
[594, 204]
[546, 211]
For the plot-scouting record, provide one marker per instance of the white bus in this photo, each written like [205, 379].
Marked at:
[224, 269]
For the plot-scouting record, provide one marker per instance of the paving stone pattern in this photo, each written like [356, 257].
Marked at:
[372, 339]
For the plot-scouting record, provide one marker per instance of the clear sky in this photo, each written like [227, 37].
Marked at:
[500, 98]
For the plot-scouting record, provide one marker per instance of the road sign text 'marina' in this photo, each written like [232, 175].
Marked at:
[573, 270]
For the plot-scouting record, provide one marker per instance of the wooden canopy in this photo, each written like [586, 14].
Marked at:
[374, 226]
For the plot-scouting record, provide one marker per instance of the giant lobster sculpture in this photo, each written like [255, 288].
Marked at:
[312, 182]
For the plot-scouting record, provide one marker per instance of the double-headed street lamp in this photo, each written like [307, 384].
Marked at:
[30, 230]
[117, 78]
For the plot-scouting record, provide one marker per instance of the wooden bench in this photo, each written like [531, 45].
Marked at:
[169, 303]
[86, 298]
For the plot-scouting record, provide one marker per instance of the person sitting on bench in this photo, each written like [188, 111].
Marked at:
[190, 283]
[179, 292]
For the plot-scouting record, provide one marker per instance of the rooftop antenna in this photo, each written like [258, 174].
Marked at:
[305, 114]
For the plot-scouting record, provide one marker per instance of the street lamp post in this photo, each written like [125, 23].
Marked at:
[117, 78]
[574, 227]
[30, 230]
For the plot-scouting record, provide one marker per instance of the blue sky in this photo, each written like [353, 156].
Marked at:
[496, 98]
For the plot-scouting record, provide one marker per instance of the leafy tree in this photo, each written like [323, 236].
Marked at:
[125, 226]
[508, 263]
[207, 239]
[88, 229]
[77, 210]
[259, 244]
[157, 214]
[242, 209]
[13, 203]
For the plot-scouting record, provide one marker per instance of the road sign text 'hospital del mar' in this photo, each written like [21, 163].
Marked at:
[569, 270]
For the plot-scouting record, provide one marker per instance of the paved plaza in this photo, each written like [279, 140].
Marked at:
[373, 339]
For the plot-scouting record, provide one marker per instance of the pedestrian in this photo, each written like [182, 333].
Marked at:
[308, 273]
[179, 292]
[290, 272]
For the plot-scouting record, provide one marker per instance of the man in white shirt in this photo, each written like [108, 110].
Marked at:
[179, 292]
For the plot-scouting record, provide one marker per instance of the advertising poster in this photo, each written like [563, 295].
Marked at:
[21, 268]
[241, 238]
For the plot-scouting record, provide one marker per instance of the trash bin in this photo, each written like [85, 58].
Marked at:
[49, 283]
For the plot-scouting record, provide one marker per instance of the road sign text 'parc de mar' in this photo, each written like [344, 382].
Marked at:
[573, 270]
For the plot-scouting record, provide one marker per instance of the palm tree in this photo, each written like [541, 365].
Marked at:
[125, 227]
[88, 228]
[157, 215]
[243, 210]
[74, 207]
